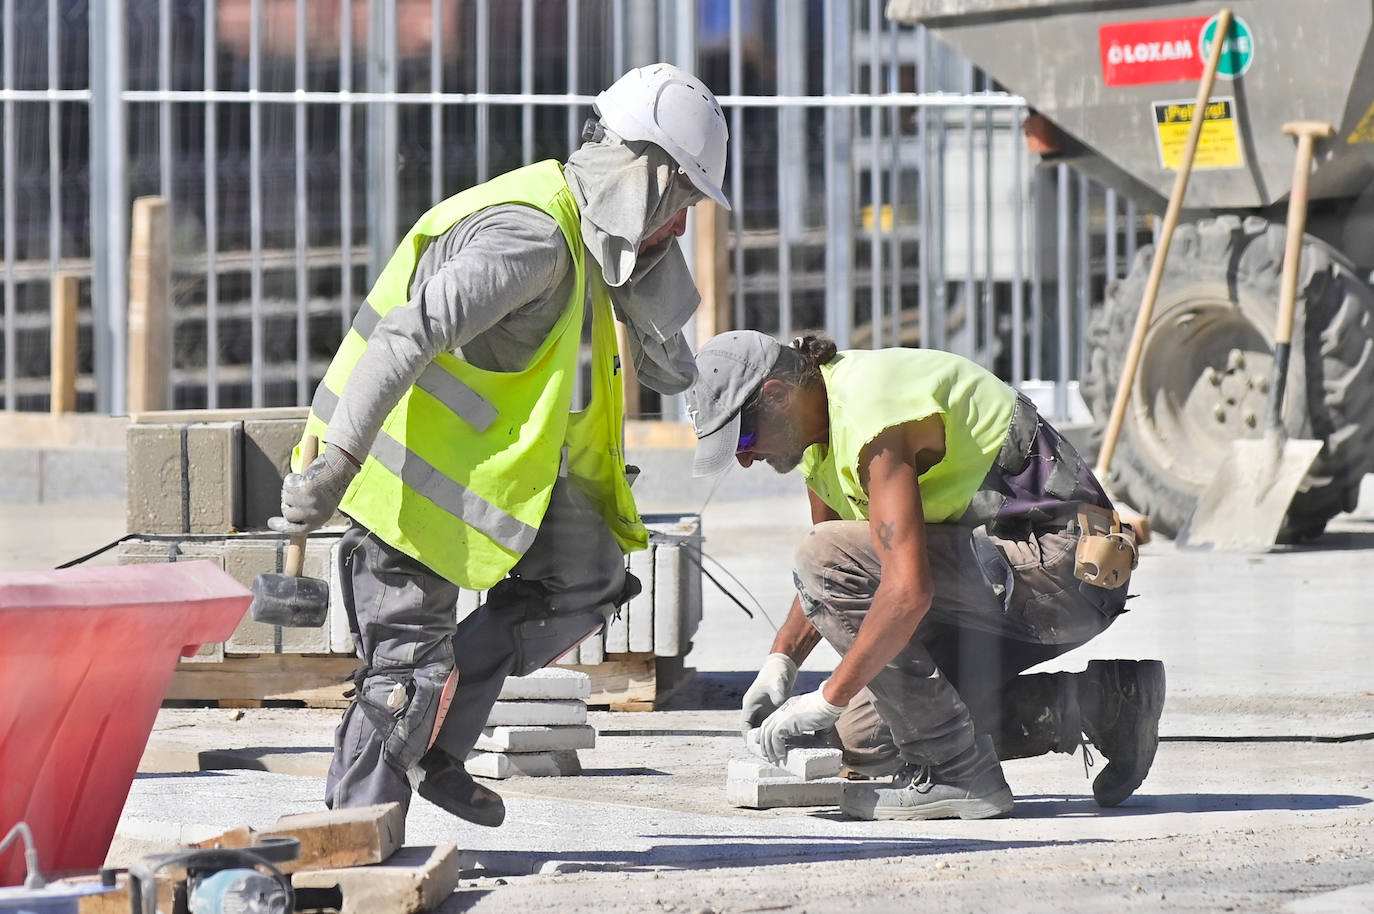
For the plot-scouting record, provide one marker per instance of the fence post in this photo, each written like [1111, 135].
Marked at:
[149, 305]
[712, 271]
[63, 343]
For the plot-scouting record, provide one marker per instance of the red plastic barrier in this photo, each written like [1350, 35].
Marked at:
[85, 658]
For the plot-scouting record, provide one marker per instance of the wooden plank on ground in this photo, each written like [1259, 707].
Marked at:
[415, 879]
[624, 682]
[331, 839]
[319, 682]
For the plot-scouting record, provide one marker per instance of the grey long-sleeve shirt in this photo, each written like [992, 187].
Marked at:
[490, 288]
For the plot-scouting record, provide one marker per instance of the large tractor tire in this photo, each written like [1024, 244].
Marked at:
[1204, 370]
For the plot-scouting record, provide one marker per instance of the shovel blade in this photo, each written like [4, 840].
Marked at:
[1243, 508]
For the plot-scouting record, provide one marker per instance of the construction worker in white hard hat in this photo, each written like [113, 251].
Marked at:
[451, 439]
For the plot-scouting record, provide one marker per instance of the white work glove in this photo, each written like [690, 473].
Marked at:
[771, 688]
[807, 713]
[309, 499]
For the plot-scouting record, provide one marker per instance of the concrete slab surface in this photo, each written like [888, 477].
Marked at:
[1259, 800]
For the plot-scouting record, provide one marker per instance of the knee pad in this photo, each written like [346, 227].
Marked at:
[406, 706]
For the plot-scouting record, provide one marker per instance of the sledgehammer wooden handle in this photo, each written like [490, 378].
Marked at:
[295, 549]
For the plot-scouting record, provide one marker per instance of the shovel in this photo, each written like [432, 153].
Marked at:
[1243, 508]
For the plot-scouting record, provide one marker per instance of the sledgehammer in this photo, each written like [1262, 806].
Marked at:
[287, 598]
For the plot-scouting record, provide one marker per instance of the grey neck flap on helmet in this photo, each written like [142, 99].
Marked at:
[626, 191]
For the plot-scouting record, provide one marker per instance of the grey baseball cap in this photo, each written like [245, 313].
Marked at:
[730, 368]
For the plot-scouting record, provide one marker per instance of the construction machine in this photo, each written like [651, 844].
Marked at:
[1112, 83]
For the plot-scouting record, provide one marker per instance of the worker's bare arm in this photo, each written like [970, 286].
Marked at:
[889, 467]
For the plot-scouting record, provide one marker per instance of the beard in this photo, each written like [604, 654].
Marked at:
[788, 443]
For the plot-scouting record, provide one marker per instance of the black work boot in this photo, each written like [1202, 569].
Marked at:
[968, 786]
[1038, 713]
[1121, 701]
[442, 779]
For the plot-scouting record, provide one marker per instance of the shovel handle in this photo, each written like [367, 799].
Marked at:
[295, 548]
[1307, 132]
[1166, 237]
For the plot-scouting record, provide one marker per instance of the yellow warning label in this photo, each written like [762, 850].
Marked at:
[1364, 130]
[1218, 145]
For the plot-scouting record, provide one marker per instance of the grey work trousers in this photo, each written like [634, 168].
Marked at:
[950, 677]
[405, 628]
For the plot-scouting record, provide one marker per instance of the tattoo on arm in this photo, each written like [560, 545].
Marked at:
[885, 531]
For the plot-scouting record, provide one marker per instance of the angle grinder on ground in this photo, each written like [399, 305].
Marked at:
[287, 598]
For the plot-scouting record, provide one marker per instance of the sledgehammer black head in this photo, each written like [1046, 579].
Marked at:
[281, 599]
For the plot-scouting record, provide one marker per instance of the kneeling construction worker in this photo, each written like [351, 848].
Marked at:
[454, 444]
[958, 540]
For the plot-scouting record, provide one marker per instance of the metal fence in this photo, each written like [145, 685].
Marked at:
[881, 190]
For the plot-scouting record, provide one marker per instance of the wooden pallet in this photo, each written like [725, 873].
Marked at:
[623, 682]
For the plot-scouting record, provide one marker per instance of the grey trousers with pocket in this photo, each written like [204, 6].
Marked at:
[949, 678]
[404, 619]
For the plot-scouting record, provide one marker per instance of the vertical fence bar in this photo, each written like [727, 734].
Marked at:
[302, 227]
[790, 80]
[574, 63]
[1084, 267]
[618, 36]
[1018, 288]
[875, 178]
[436, 111]
[1065, 316]
[737, 162]
[211, 217]
[164, 109]
[970, 302]
[894, 183]
[256, 347]
[109, 204]
[54, 144]
[483, 39]
[382, 155]
[527, 79]
[989, 287]
[923, 207]
[10, 169]
[1110, 205]
[1132, 226]
[345, 167]
[839, 194]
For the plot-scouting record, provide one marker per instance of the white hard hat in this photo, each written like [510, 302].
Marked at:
[673, 109]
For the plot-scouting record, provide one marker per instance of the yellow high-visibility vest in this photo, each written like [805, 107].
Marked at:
[461, 472]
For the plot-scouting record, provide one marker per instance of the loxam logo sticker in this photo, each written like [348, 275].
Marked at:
[1171, 50]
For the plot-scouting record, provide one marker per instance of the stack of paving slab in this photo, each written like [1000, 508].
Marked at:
[809, 777]
[535, 728]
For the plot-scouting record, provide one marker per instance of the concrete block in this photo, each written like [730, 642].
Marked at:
[810, 764]
[547, 684]
[244, 560]
[535, 739]
[185, 478]
[340, 635]
[617, 636]
[528, 764]
[752, 768]
[412, 880]
[763, 790]
[468, 601]
[591, 650]
[670, 585]
[640, 610]
[267, 446]
[537, 713]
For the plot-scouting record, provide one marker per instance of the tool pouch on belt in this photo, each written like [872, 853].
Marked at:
[1106, 554]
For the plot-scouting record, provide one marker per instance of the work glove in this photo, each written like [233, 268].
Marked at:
[807, 713]
[771, 688]
[309, 499]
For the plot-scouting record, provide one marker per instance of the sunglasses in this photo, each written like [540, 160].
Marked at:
[748, 434]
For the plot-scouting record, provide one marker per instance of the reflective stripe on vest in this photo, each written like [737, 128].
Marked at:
[464, 504]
